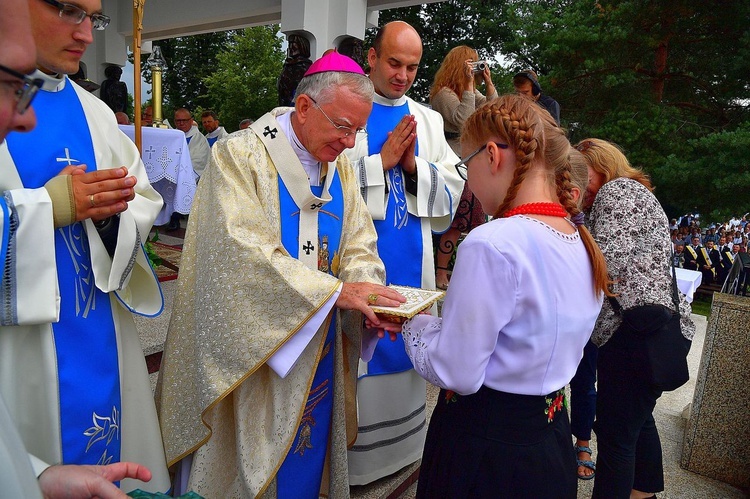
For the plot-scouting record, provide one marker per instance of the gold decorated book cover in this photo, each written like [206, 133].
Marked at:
[416, 301]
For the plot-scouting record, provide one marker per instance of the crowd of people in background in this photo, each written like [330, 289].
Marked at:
[711, 251]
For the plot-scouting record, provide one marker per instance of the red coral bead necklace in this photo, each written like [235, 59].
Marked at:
[547, 209]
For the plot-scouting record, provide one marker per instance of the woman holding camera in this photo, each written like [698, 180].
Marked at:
[455, 96]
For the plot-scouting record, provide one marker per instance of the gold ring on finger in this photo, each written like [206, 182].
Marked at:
[372, 299]
[91, 200]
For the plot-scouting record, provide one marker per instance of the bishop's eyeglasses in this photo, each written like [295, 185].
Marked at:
[25, 88]
[346, 130]
[73, 14]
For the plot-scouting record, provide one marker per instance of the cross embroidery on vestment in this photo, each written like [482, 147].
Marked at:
[67, 158]
[267, 131]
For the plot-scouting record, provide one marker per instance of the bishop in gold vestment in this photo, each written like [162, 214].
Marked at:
[246, 292]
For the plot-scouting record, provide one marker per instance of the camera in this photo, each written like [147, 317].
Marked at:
[479, 66]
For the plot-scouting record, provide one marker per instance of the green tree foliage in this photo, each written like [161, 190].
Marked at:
[657, 77]
[189, 61]
[243, 83]
[665, 79]
[232, 72]
[444, 25]
[717, 166]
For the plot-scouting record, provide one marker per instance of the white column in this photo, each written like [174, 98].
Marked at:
[324, 22]
[109, 46]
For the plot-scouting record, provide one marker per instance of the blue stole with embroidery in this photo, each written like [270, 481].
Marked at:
[85, 341]
[399, 236]
[301, 473]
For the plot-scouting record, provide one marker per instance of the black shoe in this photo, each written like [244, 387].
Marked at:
[174, 222]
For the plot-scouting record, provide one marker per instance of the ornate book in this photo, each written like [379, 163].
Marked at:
[417, 300]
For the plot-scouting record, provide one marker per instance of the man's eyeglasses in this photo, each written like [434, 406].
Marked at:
[346, 130]
[461, 166]
[25, 89]
[75, 15]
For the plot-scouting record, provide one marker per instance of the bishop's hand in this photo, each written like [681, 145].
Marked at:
[362, 295]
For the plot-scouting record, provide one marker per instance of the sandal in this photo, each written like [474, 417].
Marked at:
[585, 462]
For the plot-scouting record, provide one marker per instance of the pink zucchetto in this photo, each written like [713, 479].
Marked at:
[333, 61]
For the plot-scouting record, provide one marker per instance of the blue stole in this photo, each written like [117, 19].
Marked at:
[301, 473]
[85, 341]
[187, 139]
[211, 140]
[399, 236]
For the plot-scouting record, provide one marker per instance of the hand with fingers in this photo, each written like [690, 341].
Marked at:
[487, 75]
[469, 74]
[399, 140]
[408, 159]
[388, 324]
[84, 481]
[362, 295]
[102, 193]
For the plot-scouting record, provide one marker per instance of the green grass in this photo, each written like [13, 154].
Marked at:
[702, 305]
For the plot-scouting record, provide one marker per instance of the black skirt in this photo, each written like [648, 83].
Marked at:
[498, 445]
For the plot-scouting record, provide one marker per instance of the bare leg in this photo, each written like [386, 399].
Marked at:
[584, 456]
[637, 494]
[445, 250]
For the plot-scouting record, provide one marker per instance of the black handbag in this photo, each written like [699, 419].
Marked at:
[656, 336]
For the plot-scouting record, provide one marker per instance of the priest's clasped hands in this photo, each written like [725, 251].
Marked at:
[400, 146]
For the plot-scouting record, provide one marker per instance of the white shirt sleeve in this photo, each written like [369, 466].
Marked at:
[453, 352]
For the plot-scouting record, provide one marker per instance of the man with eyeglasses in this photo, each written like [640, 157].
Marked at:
[74, 374]
[197, 143]
[272, 310]
[405, 169]
[197, 147]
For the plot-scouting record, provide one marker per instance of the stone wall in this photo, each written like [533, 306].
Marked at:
[717, 436]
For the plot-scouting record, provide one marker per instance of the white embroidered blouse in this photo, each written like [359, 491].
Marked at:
[520, 308]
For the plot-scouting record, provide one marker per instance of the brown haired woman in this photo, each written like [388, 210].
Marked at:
[623, 215]
[455, 96]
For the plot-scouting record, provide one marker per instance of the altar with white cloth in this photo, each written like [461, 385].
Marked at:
[170, 171]
[688, 281]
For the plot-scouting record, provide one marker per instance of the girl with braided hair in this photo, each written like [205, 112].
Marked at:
[522, 303]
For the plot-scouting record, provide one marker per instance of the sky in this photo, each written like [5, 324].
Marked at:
[127, 77]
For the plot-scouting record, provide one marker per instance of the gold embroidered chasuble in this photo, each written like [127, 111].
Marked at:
[240, 297]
